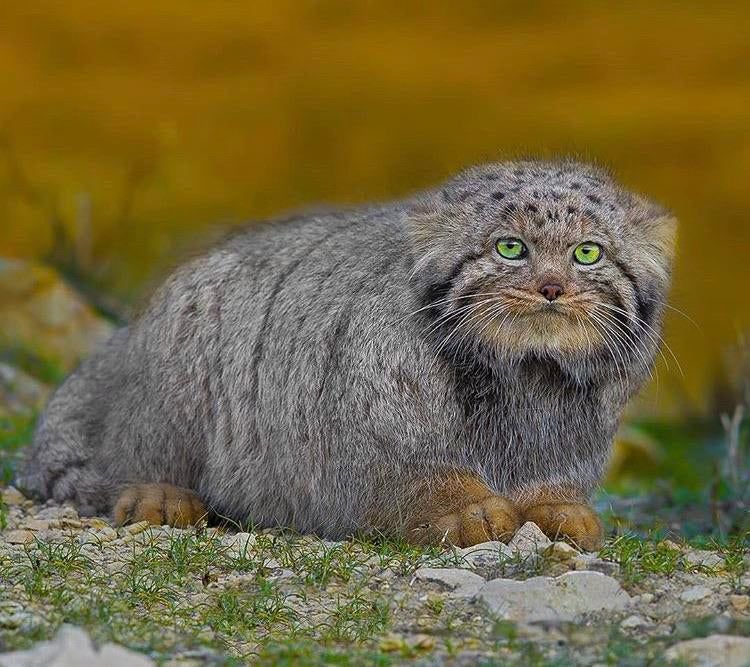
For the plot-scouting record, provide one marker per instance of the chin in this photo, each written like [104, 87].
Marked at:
[550, 332]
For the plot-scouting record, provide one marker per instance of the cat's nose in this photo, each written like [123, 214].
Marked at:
[551, 291]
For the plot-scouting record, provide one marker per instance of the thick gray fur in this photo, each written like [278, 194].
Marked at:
[309, 372]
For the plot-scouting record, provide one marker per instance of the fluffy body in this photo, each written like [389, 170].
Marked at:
[319, 373]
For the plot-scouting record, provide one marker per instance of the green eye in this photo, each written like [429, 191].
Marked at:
[511, 248]
[588, 253]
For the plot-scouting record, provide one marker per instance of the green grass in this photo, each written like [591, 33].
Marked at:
[15, 433]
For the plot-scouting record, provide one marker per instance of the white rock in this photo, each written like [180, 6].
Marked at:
[485, 554]
[462, 583]
[72, 647]
[704, 558]
[695, 594]
[633, 622]
[239, 544]
[712, 651]
[563, 598]
[561, 551]
[12, 496]
[528, 540]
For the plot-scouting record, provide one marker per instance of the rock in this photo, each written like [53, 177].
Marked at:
[529, 540]
[36, 524]
[704, 558]
[485, 554]
[563, 598]
[462, 583]
[633, 622]
[72, 647]
[136, 528]
[101, 536]
[239, 544]
[12, 496]
[712, 651]
[594, 564]
[739, 602]
[20, 393]
[695, 594]
[43, 314]
[561, 551]
[19, 537]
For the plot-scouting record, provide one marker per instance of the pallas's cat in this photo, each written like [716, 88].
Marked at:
[443, 367]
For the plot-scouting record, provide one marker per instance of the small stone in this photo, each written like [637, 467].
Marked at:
[422, 642]
[701, 557]
[136, 528]
[695, 594]
[36, 524]
[553, 599]
[12, 496]
[391, 643]
[239, 544]
[98, 536]
[561, 551]
[712, 651]
[486, 554]
[646, 598]
[594, 564]
[739, 602]
[97, 523]
[72, 647]
[462, 583]
[19, 537]
[669, 544]
[633, 622]
[529, 540]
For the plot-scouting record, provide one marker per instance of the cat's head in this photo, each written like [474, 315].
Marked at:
[550, 258]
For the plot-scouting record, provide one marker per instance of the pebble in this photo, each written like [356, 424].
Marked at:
[239, 544]
[462, 583]
[136, 528]
[739, 602]
[19, 537]
[561, 551]
[695, 594]
[12, 496]
[704, 558]
[633, 622]
[529, 540]
[486, 554]
[553, 599]
[72, 647]
[712, 651]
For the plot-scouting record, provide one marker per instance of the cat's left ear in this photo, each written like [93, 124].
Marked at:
[657, 224]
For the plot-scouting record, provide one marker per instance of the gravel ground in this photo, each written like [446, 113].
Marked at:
[211, 596]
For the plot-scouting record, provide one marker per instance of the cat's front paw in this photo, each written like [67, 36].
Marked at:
[159, 504]
[493, 518]
[573, 521]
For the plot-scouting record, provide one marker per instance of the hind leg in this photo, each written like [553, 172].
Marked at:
[159, 504]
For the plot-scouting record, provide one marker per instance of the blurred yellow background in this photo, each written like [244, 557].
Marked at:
[135, 126]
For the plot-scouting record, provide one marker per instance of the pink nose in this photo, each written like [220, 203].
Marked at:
[551, 291]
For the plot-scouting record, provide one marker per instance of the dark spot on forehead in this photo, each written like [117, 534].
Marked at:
[589, 213]
[536, 194]
[498, 195]
[519, 172]
[508, 209]
[557, 196]
[479, 207]
[491, 177]
[517, 188]
[575, 185]
[594, 199]
[572, 210]
[531, 208]
[463, 196]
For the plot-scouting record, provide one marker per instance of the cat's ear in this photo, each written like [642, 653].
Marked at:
[430, 232]
[657, 224]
